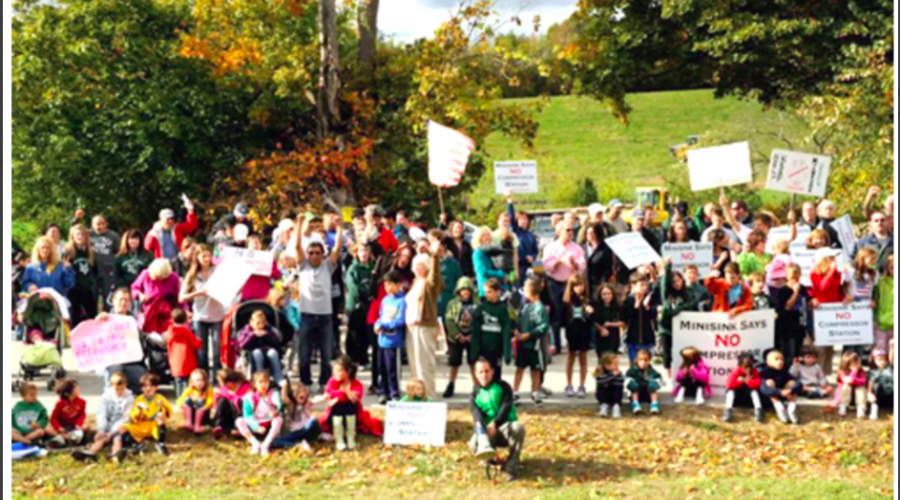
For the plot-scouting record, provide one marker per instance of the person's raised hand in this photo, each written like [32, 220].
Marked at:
[79, 213]
[874, 191]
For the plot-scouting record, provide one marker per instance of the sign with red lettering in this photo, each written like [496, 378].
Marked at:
[690, 254]
[515, 177]
[798, 173]
[99, 344]
[839, 324]
[721, 339]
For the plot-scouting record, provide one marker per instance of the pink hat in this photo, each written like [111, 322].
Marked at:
[777, 269]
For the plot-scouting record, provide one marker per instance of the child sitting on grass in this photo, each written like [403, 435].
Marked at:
[115, 406]
[643, 382]
[261, 415]
[415, 392]
[780, 387]
[300, 425]
[148, 417]
[196, 402]
[227, 401]
[345, 413]
[852, 383]
[742, 386]
[692, 377]
[30, 421]
[812, 379]
[610, 385]
[69, 413]
[881, 383]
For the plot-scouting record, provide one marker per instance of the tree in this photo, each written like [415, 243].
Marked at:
[585, 193]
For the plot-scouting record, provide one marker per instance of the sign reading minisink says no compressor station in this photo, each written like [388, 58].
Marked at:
[515, 176]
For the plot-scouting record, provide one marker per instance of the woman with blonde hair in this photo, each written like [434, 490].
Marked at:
[484, 266]
[47, 270]
[83, 295]
[157, 290]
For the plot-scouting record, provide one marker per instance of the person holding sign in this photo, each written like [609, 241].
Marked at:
[827, 288]
[496, 423]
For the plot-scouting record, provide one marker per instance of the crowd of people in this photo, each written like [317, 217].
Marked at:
[397, 290]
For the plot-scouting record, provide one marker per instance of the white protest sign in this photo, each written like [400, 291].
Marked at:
[260, 261]
[99, 344]
[721, 339]
[806, 259]
[720, 166]
[686, 254]
[798, 173]
[784, 233]
[227, 280]
[839, 324]
[415, 423]
[515, 176]
[633, 250]
[844, 228]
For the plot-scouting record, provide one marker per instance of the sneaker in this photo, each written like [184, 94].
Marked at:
[782, 415]
[517, 397]
[546, 392]
[570, 391]
[383, 399]
[162, 449]
[842, 411]
[635, 407]
[254, 448]
[792, 416]
[679, 398]
[372, 391]
[450, 390]
[581, 393]
[728, 416]
[616, 412]
[860, 412]
[873, 415]
[120, 456]
[700, 399]
[536, 398]
[83, 456]
[42, 453]
[654, 408]
[758, 415]
[483, 447]
[510, 477]
[56, 442]
[264, 451]
[604, 410]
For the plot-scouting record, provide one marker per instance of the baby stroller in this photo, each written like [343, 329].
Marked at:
[237, 319]
[45, 334]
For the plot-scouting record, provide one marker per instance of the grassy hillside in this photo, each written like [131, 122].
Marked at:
[579, 138]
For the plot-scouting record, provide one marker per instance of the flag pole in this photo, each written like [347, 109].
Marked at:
[441, 198]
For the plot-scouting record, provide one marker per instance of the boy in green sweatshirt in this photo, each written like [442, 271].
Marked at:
[458, 325]
[492, 329]
[533, 325]
[30, 421]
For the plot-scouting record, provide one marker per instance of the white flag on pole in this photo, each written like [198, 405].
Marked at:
[448, 154]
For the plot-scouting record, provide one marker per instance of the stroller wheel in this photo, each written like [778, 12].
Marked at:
[51, 384]
[60, 373]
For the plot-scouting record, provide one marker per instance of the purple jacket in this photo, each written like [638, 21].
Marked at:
[156, 289]
[247, 340]
[700, 375]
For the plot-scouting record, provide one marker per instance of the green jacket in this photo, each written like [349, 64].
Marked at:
[491, 331]
[883, 380]
[450, 273]
[672, 306]
[23, 414]
[455, 308]
[129, 267]
[884, 303]
[359, 286]
[493, 404]
[533, 319]
[643, 378]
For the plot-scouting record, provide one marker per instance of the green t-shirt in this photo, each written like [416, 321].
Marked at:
[23, 414]
[884, 314]
[489, 400]
[751, 263]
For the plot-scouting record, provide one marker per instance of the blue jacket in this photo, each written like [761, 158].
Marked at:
[528, 243]
[61, 279]
[391, 320]
[484, 270]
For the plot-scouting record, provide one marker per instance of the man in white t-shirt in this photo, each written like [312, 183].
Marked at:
[317, 327]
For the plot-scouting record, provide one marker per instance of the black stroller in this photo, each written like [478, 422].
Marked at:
[239, 318]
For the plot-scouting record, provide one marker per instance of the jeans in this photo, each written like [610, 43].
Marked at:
[310, 432]
[390, 377]
[226, 415]
[181, 385]
[260, 357]
[316, 329]
[557, 289]
[208, 333]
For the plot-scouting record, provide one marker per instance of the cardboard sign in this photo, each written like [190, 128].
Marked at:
[227, 280]
[784, 233]
[844, 228]
[99, 344]
[633, 250]
[722, 340]
[260, 261]
[415, 423]
[798, 173]
[693, 253]
[839, 324]
[720, 166]
[515, 176]
[806, 259]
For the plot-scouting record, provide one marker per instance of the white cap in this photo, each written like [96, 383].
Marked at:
[595, 209]
[823, 253]
[241, 231]
[285, 225]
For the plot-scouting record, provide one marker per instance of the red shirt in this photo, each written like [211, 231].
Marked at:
[827, 289]
[183, 346]
[68, 415]
[752, 380]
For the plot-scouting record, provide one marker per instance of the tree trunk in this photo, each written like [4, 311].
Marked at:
[329, 78]
[367, 19]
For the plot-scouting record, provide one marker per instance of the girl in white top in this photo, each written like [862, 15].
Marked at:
[207, 314]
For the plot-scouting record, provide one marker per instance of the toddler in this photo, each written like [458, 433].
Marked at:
[743, 385]
[643, 382]
[610, 385]
[692, 377]
[196, 402]
[852, 383]
[261, 415]
[780, 387]
[148, 417]
[69, 413]
[806, 369]
[415, 392]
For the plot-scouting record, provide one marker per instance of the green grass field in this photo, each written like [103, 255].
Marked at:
[579, 138]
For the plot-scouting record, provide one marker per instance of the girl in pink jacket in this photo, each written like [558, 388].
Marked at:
[692, 377]
[852, 383]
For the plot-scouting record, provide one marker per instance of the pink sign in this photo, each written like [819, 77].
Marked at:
[98, 344]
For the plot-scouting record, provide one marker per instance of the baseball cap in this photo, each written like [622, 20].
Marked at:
[241, 210]
[166, 213]
[823, 253]
[615, 203]
[595, 209]
[638, 214]
[285, 225]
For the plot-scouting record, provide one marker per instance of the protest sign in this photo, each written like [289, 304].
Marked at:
[839, 324]
[227, 280]
[806, 259]
[415, 423]
[98, 344]
[260, 261]
[798, 173]
[633, 250]
[844, 228]
[448, 154]
[721, 339]
[720, 166]
[515, 177]
[784, 233]
[693, 253]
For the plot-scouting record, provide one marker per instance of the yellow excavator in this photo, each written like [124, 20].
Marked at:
[656, 197]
